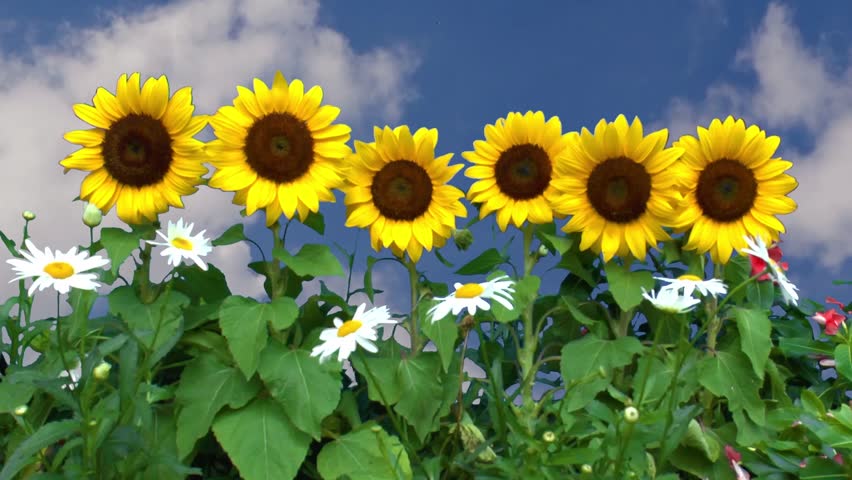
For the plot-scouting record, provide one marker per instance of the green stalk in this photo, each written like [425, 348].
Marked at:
[527, 353]
[413, 326]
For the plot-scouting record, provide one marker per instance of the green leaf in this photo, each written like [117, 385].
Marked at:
[419, 378]
[308, 390]
[441, 258]
[581, 361]
[626, 286]
[209, 284]
[245, 323]
[206, 385]
[234, 234]
[695, 437]
[822, 469]
[46, 435]
[312, 259]
[801, 347]
[10, 245]
[368, 453]
[729, 375]
[119, 244]
[316, 222]
[843, 360]
[443, 332]
[13, 395]
[382, 372]
[261, 441]
[155, 324]
[556, 242]
[484, 263]
[755, 330]
[81, 302]
[761, 294]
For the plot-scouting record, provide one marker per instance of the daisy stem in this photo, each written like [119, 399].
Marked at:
[412, 326]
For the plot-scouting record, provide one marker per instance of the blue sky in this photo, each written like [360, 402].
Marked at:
[456, 66]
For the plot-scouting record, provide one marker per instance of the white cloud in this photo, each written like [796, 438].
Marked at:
[212, 46]
[799, 90]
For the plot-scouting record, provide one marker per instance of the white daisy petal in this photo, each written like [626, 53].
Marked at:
[59, 270]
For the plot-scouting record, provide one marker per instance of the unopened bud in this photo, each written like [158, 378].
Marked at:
[93, 423]
[548, 436]
[586, 468]
[28, 215]
[92, 215]
[375, 429]
[631, 415]
[21, 410]
[463, 239]
[101, 372]
[543, 251]
[602, 372]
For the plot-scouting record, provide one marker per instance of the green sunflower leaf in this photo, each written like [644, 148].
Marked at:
[419, 377]
[730, 375]
[313, 259]
[234, 234]
[755, 330]
[444, 332]
[368, 453]
[206, 385]
[119, 244]
[261, 441]
[245, 323]
[626, 286]
[155, 325]
[484, 263]
[315, 222]
[308, 391]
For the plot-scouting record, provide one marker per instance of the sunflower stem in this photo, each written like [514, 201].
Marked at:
[148, 292]
[413, 320]
[530, 338]
[273, 268]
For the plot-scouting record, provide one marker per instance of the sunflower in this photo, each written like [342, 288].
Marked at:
[732, 187]
[398, 189]
[141, 152]
[514, 167]
[617, 185]
[278, 149]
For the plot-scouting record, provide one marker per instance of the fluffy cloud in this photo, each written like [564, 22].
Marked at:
[799, 90]
[212, 46]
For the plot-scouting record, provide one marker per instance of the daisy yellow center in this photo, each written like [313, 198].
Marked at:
[181, 243]
[351, 326]
[402, 190]
[690, 277]
[59, 270]
[469, 290]
[523, 171]
[726, 190]
[279, 147]
[619, 189]
[137, 150]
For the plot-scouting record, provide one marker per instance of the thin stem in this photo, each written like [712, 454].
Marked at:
[460, 409]
[273, 268]
[530, 338]
[413, 327]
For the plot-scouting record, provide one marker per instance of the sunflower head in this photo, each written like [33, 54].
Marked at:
[617, 185]
[514, 167]
[732, 187]
[141, 154]
[398, 189]
[278, 149]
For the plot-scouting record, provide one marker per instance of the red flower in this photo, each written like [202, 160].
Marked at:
[734, 458]
[733, 455]
[758, 265]
[831, 319]
[834, 301]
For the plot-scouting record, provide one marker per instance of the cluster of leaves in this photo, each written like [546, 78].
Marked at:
[223, 386]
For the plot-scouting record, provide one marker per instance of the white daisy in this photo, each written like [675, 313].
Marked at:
[361, 330]
[758, 249]
[182, 244]
[62, 271]
[668, 300]
[690, 283]
[471, 296]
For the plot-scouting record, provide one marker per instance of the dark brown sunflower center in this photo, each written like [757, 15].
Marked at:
[137, 150]
[279, 147]
[402, 190]
[726, 190]
[523, 171]
[619, 189]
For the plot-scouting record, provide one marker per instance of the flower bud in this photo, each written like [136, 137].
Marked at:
[101, 372]
[92, 215]
[93, 423]
[463, 239]
[21, 410]
[602, 372]
[548, 436]
[28, 215]
[586, 468]
[543, 251]
[631, 415]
